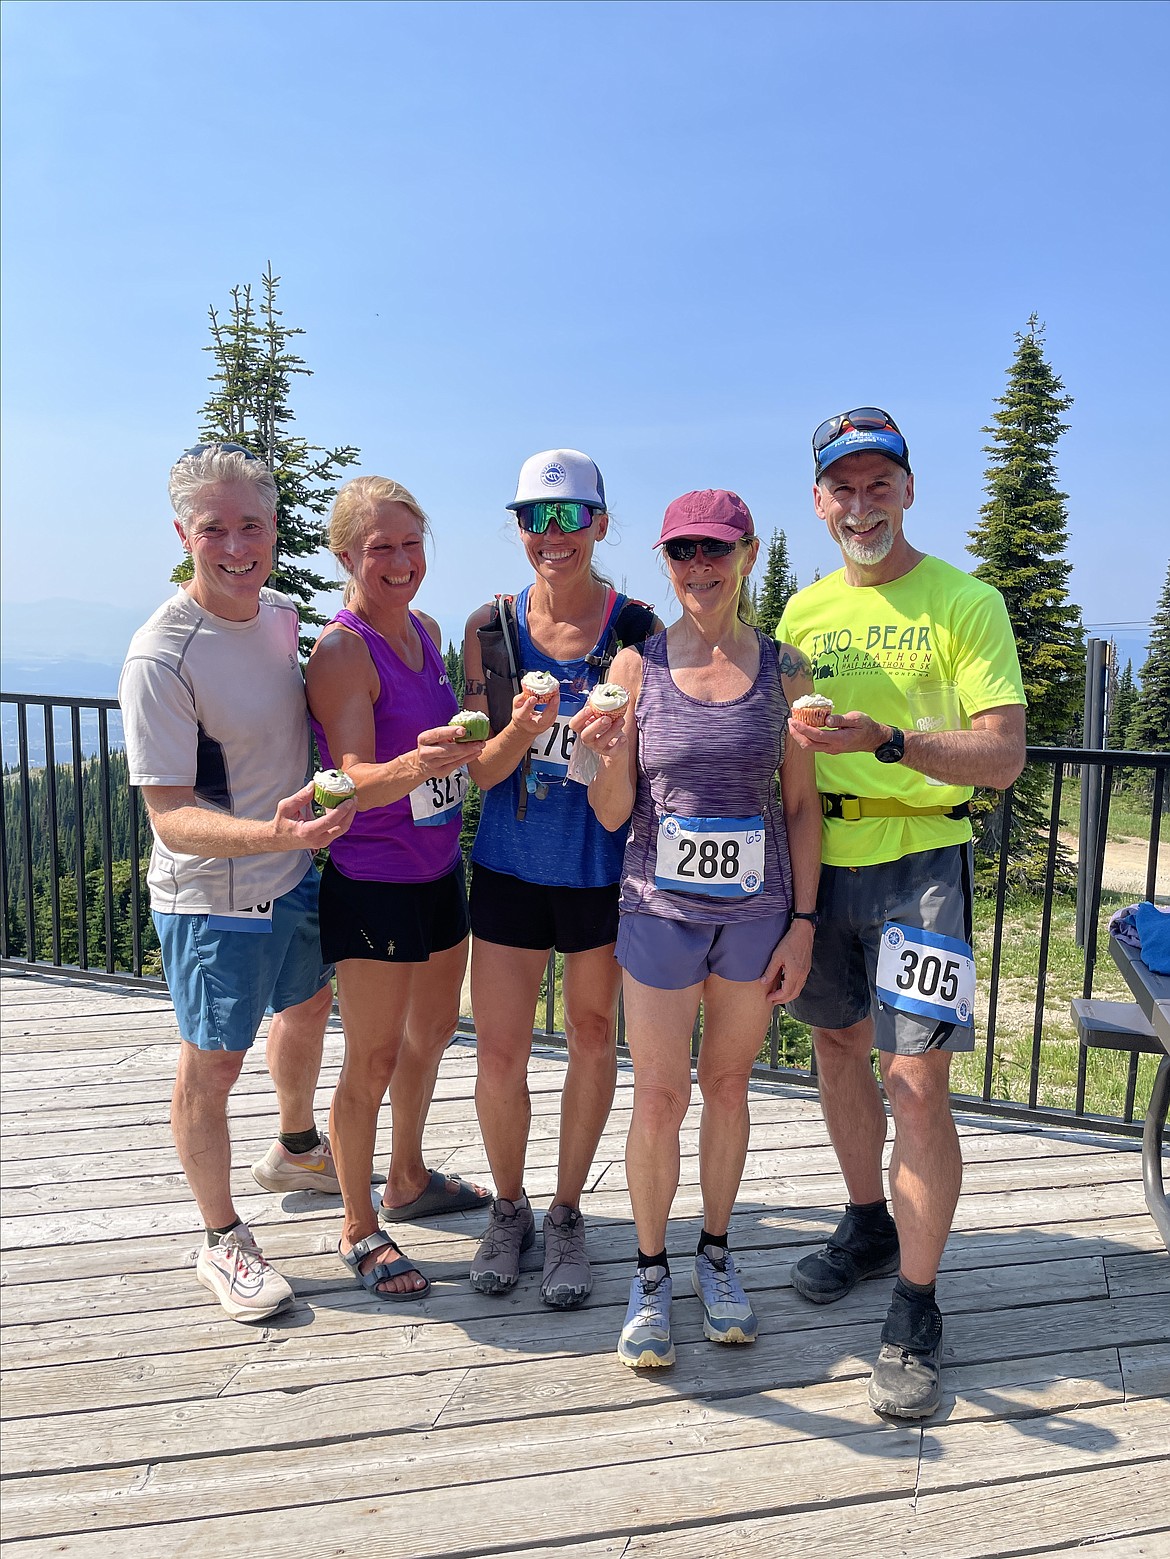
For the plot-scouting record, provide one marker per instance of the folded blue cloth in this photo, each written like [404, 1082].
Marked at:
[1153, 927]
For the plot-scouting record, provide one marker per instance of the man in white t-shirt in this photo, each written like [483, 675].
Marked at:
[217, 736]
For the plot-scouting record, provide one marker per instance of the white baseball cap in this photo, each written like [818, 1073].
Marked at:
[564, 474]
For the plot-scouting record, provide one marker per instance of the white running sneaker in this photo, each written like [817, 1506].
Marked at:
[240, 1278]
[280, 1170]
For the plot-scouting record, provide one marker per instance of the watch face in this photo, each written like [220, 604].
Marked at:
[893, 750]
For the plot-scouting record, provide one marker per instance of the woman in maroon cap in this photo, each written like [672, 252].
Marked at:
[718, 895]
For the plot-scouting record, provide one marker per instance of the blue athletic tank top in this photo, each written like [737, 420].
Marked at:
[560, 843]
[700, 764]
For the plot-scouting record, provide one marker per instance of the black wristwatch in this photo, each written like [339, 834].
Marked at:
[892, 750]
[811, 915]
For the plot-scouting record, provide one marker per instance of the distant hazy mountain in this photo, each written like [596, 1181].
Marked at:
[65, 647]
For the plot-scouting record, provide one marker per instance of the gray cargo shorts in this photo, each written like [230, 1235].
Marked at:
[929, 891]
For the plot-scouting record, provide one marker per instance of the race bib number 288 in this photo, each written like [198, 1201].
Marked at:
[925, 973]
[717, 857]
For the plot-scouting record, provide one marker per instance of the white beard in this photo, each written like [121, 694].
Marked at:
[868, 552]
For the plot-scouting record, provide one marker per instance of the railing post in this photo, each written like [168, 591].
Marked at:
[1096, 675]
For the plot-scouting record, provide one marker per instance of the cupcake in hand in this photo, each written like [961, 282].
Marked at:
[608, 698]
[812, 709]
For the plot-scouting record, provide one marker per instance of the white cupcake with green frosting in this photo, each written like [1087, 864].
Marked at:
[473, 726]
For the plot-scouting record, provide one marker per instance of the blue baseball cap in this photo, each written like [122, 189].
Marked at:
[855, 432]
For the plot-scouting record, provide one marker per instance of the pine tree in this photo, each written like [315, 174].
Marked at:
[453, 660]
[1150, 728]
[249, 405]
[778, 587]
[1022, 536]
[1121, 714]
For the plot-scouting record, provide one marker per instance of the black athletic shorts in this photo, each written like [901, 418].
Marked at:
[391, 922]
[515, 913]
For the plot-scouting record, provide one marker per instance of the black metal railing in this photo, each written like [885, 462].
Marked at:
[75, 840]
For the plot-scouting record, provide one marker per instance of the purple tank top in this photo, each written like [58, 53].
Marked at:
[707, 769]
[401, 842]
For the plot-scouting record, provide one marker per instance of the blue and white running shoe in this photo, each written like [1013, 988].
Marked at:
[645, 1340]
[727, 1314]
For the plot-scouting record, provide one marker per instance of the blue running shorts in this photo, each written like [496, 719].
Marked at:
[670, 955]
[223, 982]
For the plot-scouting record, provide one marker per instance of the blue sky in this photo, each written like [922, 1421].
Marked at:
[673, 235]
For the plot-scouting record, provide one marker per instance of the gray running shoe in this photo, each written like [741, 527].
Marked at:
[851, 1254]
[645, 1340]
[567, 1279]
[907, 1378]
[510, 1232]
[727, 1313]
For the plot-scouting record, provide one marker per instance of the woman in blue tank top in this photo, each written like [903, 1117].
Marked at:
[719, 889]
[545, 871]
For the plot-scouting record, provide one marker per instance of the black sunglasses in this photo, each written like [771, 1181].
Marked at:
[684, 551]
[863, 419]
[223, 448]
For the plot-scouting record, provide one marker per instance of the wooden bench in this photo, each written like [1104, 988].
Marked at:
[1114, 1025]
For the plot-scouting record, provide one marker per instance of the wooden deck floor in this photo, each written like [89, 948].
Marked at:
[140, 1421]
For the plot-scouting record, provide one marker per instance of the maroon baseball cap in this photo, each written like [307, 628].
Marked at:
[714, 513]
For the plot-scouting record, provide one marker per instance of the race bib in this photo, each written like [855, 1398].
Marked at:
[719, 857]
[257, 918]
[924, 973]
[437, 801]
[550, 751]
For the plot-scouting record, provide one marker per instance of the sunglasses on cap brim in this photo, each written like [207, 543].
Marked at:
[863, 419]
[535, 518]
[218, 448]
[684, 549]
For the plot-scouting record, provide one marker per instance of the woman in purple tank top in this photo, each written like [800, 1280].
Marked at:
[393, 906]
[719, 889]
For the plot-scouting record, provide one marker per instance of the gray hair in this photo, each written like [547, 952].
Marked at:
[207, 465]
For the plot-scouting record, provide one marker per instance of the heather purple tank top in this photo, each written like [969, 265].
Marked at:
[700, 761]
[398, 843]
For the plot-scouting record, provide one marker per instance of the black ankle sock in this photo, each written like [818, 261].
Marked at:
[300, 1141]
[215, 1235]
[660, 1260]
[871, 1214]
[707, 1238]
[914, 1293]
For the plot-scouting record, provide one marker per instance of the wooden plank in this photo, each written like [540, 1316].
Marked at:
[1145, 1369]
[1061, 1513]
[1148, 1273]
[702, 1490]
[163, 1491]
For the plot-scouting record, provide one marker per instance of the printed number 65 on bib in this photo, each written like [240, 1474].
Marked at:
[927, 974]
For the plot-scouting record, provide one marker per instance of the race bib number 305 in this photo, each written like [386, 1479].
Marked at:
[925, 973]
[437, 801]
[719, 857]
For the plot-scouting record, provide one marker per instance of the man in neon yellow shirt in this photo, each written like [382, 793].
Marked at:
[892, 962]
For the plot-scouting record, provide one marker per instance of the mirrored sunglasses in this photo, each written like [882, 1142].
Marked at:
[863, 419]
[537, 517]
